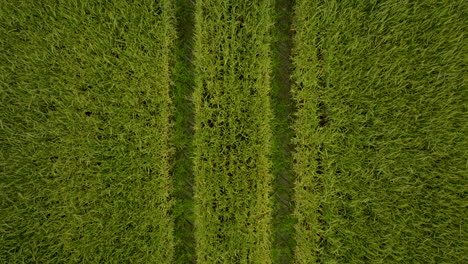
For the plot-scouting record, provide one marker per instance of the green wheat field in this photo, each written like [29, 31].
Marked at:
[233, 131]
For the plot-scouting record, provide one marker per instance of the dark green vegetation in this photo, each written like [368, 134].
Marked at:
[380, 162]
[232, 131]
[85, 132]
[182, 75]
[224, 131]
[283, 110]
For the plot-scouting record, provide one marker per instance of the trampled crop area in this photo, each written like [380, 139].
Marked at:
[222, 131]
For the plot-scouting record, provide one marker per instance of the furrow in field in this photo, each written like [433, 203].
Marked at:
[283, 110]
[183, 133]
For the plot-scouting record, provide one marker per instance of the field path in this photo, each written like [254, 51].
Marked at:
[283, 109]
[181, 92]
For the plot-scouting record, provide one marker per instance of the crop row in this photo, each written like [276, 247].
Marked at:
[86, 133]
[378, 155]
[307, 89]
[232, 131]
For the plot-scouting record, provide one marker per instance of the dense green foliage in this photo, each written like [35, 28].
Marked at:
[85, 132]
[380, 159]
[223, 131]
[308, 83]
[232, 131]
